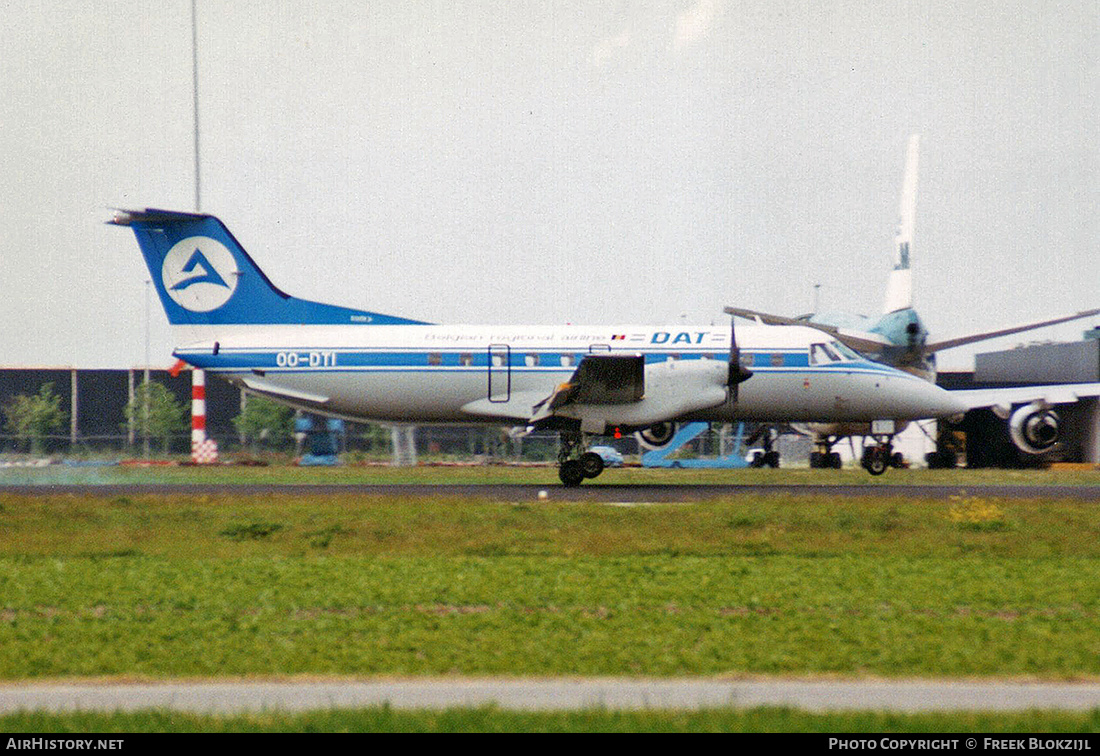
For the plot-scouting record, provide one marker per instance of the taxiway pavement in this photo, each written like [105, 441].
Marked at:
[551, 694]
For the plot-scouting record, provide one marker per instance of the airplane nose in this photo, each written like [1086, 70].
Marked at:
[944, 403]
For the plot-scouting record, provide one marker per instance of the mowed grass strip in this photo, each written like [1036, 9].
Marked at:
[209, 586]
[224, 526]
[495, 720]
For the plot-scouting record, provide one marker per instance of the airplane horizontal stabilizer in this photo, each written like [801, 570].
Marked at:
[263, 387]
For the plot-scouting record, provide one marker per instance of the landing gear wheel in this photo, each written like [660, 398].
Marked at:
[897, 460]
[942, 460]
[771, 459]
[591, 464]
[833, 460]
[571, 473]
[876, 460]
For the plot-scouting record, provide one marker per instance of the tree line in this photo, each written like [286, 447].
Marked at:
[154, 412]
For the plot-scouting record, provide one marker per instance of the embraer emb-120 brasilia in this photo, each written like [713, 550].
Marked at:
[578, 380]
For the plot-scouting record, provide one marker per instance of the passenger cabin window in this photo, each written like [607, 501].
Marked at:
[747, 359]
[531, 360]
[435, 358]
[466, 359]
[777, 360]
[567, 360]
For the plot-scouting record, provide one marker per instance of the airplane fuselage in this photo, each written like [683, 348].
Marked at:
[439, 374]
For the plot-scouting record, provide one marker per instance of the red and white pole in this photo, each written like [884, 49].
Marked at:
[202, 450]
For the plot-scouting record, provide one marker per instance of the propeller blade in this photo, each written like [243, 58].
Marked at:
[738, 373]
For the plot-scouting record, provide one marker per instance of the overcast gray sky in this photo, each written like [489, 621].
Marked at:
[534, 162]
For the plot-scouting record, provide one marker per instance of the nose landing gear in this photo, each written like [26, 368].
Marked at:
[881, 455]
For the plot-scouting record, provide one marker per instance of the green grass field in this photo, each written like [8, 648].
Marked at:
[196, 586]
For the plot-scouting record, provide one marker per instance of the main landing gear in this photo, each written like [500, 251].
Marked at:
[825, 458]
[948, 446]
[880, 455]
[769, 457]
[575, 464]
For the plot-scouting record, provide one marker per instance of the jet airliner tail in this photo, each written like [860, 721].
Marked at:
[899, 288]
[205, 278]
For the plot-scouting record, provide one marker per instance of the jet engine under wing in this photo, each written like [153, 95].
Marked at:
[861, 341]
[1001, 400]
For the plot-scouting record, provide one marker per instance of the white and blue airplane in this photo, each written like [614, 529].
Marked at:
[231, 320]
[899, 338]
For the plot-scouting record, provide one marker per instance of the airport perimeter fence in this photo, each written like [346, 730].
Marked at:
[359, 443]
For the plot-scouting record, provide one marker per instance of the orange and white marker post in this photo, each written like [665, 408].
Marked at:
[203, 450]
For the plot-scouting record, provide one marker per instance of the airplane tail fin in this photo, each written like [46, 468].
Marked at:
[899, 288]
[205, 278]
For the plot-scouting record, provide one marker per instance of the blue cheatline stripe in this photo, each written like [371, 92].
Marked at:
[806, 371]
[348, 361]
[329, 358]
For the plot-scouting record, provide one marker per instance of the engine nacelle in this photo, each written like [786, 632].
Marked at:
[656, 436]
[1034, 428]
[673, 389]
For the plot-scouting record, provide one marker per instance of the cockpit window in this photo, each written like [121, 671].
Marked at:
[846, 352]
[820, 354]
[834, 351]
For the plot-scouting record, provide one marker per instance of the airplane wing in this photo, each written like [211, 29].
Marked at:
[950, 343]
[769, 319]
[598, 379]
[861, 341]
[1001, 400]
[620, 390]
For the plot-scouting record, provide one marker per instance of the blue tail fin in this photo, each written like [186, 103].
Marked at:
[204, 276]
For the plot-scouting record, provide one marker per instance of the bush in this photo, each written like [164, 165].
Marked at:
[165, 417]
[263, 421]
[32, 418]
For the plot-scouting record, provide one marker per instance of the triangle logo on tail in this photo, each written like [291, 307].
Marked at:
[200, 274]
[207, 272]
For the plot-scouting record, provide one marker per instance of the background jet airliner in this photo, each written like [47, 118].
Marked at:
[898, 338]
[232, 321]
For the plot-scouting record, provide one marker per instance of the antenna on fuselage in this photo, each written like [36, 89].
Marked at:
[738, 373]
